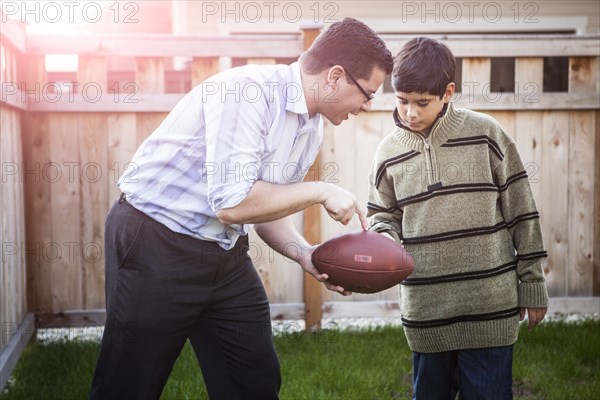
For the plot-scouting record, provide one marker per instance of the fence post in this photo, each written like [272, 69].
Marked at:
[313, 290]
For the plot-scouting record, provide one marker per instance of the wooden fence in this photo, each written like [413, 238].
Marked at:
[62, 153]
[16, 325]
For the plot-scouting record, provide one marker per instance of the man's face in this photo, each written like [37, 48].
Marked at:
[419, 111]
[345, 98]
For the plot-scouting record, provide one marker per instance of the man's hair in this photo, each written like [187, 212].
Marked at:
[423, 65]
[351, 44]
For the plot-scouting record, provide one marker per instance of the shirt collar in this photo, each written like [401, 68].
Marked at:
[295, 99]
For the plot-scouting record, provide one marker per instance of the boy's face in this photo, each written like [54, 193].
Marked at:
[419, 111]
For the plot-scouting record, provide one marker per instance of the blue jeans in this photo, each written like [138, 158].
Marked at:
[474, 374]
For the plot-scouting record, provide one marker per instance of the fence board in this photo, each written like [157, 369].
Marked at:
[2, 65]
[122, 144]
[94, 178]
[554, 192]
[262, 261]
[21, 219]
[506, 120]
[476, 75]
[65, 190]
[580, 276]
[287, 274]
[279, 275]
[3, 310]
[150, 75]
[583, 74]
[7, 306]
[160, 45]
[580, 270]
[12, 284]
[261, 61]
[202, 68]
[146, 124]
[38, 224]
[529, 79]
[11, 62]
[38, 221]
[93, 70]
[18, 217]
[528, 125]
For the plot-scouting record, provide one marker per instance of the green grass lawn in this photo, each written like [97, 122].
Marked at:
[556, 361]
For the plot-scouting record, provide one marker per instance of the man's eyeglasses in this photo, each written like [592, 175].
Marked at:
[368, 96]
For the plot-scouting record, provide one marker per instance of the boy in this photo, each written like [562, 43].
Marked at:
[449, 185]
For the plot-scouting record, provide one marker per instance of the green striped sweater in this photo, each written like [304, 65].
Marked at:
[460, 202]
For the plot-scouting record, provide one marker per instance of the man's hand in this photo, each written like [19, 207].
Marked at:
[307, 265]
[279, 234]
[268, 202]
[342, 205]
[535, 316]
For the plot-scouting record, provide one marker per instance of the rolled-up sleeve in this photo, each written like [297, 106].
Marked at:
[236, 129]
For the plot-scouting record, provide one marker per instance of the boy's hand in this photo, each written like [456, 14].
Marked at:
[535, 316]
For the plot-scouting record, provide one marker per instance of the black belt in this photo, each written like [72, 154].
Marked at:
[122, 198]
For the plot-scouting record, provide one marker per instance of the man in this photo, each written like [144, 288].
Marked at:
[177, 266]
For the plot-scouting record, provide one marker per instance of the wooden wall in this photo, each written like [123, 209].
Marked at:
[78, 159]
[75, 151]
[12, 276]
[16, 325]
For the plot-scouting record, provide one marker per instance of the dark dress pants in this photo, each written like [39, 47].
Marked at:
[163, 288]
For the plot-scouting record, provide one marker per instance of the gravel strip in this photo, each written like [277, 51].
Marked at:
[286, 327]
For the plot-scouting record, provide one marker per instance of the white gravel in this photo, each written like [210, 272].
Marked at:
[286, 327]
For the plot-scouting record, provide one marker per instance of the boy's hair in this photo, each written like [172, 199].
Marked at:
[351, 44]
[423, 65]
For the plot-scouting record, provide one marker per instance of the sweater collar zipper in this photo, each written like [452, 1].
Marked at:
[432, 179]
[433, 182]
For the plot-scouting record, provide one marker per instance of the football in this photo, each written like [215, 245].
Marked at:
[363, 262]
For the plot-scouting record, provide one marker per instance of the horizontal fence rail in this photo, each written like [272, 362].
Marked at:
[210, 54]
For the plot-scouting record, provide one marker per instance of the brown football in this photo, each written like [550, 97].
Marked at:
[363, 262]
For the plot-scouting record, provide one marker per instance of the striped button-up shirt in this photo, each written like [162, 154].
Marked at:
[242, 125]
